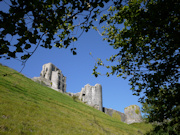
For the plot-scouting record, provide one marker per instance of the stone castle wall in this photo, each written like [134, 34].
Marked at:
[133, 114]
[92, 95]
[110, 112]
[52, 77]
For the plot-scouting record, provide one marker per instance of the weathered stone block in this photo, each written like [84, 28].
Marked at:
[92, 95]
[112, 112]
[52, 77]
[133, 114]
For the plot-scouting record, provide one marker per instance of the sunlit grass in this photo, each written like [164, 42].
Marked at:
[27, 107]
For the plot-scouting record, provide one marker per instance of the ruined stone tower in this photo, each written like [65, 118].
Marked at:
[52, 77]
[92, 95]
[52, 73]
[133, 114]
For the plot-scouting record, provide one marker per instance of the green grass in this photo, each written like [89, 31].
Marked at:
[29, 108]
[116, 116]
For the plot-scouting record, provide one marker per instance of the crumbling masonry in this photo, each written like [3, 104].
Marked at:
[52, 77]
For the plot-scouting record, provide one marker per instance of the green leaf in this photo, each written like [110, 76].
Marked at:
[26, 56]
[74, 39]
[101, 4]
[32, 40]
[74, 53]
[19, 49]
[119, 75]
[27, 46]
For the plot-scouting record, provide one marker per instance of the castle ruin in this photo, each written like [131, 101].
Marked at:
[52, 77]
[92, 95]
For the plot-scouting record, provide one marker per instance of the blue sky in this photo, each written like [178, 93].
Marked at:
[78, 69]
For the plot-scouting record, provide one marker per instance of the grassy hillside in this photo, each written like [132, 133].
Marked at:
[27, 107]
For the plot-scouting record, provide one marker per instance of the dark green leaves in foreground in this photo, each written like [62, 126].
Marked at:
[27, 25]
[149, 53]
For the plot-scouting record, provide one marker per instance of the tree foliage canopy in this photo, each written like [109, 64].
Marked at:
[148, 45]
[149, 52]
[44, 22]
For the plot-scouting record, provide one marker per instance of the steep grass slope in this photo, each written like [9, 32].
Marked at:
[27, 107]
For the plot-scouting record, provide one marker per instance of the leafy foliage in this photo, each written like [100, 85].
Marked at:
[75, 98]
[43, 22]
[137, 111]
[149, 53]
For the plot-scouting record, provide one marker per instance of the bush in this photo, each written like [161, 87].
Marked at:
[137, 111]
[75, 98]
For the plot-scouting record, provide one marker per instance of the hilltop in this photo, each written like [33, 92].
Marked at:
[27, 107]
